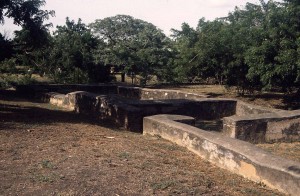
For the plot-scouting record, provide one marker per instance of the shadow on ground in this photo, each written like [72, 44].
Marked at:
[288, 101]
[15, 108]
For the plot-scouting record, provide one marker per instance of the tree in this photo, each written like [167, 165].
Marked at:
[71, 56]
[184, 41]
[31, 41]
[30, 17]
[274, 60]
[6, 49]
[204, 52]
[137, 44]
[252, 48]
[245, 31]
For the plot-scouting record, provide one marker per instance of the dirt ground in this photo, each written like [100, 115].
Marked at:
[47, 151]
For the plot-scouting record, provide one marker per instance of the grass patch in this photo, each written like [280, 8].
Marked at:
[162, 185]
[250, 191]
[124, 155]
[46, 178]
[47, 164]
[286, 150]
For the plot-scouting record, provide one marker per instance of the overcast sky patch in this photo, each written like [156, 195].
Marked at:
[165, 14]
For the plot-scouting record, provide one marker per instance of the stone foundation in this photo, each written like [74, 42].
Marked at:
[129, 113]
[128, 106]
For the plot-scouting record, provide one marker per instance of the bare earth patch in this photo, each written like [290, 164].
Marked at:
[47, 151]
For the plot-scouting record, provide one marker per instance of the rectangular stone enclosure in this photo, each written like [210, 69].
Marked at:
[128, 105]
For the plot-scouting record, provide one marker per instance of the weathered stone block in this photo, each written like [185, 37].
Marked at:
[266, 127]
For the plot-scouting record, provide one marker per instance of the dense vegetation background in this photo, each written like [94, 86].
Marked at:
[256, 47]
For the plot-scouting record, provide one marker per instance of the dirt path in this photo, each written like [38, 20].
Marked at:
[47, 151]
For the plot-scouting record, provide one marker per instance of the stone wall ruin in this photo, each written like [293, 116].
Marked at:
[128, 105]
[159, 112]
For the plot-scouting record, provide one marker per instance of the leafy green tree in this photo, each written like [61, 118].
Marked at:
[214, 48]
[185, 53]
[203, 53]
[289, 35]
[33, 38]
[274, 60]
[137, 44]
[30, 17]
[245, 31]
[253, 48]
[71, 56]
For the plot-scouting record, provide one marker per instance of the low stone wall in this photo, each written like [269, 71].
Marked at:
[234, 155]
[65, 101]
[243, 121]
[155, 94]
[39, 89]
[265, 127]
[129, 92]
[129, 113]
[99, 107]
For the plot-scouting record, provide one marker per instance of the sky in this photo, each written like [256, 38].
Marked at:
[165, 14]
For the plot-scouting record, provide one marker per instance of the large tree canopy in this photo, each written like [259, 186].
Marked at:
[137, 44]
[71, 57]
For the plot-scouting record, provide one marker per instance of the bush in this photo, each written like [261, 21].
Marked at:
[8, 81]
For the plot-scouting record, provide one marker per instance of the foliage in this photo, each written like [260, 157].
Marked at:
[185, 40]
[10, 80]
[30, 17]
[8, 66]
[256, 47]
[6, 48]
[136, 44]
[253, 48]
[71, 57]
[31, 40]
[274, 58]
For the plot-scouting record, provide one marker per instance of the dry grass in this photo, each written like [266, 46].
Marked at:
[271, 100]
[287, 150]
[46, 151]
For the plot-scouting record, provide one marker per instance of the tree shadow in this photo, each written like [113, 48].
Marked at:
[289, 101]
[214, 95]
[265, 95]
[12, 114]
[210, 125]
[292, 102]
[15, 96]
